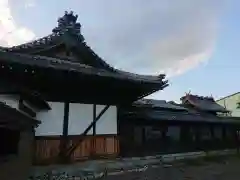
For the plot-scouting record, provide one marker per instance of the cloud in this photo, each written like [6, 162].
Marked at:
[140, 36]
[10, 33]
[154, 36]
[29, 3]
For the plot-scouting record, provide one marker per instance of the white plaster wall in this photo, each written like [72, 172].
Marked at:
[80, 116]
[10, 100]
[107, 124]
[51, 121]
[231, 103]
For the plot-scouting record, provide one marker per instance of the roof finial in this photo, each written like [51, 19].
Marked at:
[68, 22]
[188, 93]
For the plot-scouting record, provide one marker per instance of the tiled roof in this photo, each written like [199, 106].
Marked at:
[159, 104]
[68, 32]
[5, 110]
[57, 64]
[164, 115]
[203, 103]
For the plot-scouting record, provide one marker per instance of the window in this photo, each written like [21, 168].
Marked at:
[205, 133]
[173, 132]
[152, 133]
[9, 141]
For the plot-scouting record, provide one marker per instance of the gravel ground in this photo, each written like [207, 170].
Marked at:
[223, 170]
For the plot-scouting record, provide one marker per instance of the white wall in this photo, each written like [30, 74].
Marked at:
[107, 124]
[51, 121]
[10, 100]
[231, 103]
[81, 115]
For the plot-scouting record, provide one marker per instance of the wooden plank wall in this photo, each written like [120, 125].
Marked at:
[93, 147]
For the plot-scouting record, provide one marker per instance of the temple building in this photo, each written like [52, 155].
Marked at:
[64, 103]
[72, 92]
[151, 127]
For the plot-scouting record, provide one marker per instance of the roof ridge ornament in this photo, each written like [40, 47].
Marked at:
[69, 23]
[189, 95]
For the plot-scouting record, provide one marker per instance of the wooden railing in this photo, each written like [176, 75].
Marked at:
[99, 146]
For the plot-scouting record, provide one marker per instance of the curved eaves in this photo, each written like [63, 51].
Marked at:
[64, 65]
[83, 51]
[94, 60]
[42, 44]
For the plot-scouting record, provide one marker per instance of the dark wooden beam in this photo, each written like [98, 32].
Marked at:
[64, 138]
[73, 147]
[118, 120]
[94, 117]
[65, 119]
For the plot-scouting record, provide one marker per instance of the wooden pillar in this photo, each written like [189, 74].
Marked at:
[118, 120]
[93, 139]
[94, 117]
[64, 137]
[65, 119]
[119, 134]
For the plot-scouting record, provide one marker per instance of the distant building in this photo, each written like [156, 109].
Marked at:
[150, 126]
[231, 103]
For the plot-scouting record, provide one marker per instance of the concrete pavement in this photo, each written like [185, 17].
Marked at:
[96, 169]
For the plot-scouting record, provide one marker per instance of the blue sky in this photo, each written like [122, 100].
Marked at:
[194, 41]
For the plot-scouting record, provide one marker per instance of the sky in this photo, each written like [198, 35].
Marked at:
[195, 42]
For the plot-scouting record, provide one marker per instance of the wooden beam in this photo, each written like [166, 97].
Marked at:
[94, 131]
[65, 119]
[118, 121]
[22, 107]
[64, 137]
[73, 147]
[94, 117]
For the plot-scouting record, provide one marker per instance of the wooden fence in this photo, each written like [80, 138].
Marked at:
[99, 146]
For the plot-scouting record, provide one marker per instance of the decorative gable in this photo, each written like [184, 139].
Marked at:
[203, 103]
